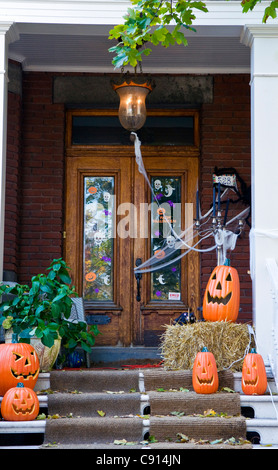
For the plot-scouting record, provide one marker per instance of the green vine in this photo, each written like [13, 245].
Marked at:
[161, 22]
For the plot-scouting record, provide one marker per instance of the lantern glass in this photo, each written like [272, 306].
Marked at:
[132, 109]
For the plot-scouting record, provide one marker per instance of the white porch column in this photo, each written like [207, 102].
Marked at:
[263, 41]
[7, 34]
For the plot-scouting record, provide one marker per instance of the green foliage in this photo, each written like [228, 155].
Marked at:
[43, 308]
[270, 11]
[148, 22]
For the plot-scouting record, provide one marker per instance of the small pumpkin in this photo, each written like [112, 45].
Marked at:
[19, 362]
[159, 254]
[204, 373]
[222, 295]
[20, 404]
[254, 380]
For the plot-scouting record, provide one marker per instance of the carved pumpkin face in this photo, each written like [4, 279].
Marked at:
[20, 404]
[222, 295]
[254, 380]
[204, 374]
[19, 362]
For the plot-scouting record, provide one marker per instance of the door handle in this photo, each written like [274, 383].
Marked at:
[138, 277]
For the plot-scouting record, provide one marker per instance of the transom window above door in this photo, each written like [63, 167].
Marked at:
[162, 127]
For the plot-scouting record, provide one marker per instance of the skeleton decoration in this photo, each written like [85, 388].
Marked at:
[192, 237]
[157, 184]
[106, 196]
[99, 237]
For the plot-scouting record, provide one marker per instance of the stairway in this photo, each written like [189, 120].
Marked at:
[116, 409]
[134, 410]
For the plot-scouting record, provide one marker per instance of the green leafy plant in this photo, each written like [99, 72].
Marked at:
[270, 10]
[148, 22]
[43, 309]
[162, 22]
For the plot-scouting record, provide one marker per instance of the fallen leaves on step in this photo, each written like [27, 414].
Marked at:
[124, 442]
[181, 389]
[101, 413]
[182, 438]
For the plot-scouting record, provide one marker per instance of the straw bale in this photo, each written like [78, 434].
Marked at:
[229, 342]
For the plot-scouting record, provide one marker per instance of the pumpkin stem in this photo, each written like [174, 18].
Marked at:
[227, 262]
[253, 351]
[20, 385]
[205, 349]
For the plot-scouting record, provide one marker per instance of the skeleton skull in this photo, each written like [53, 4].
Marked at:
[99, 237]
[170, 241]
[106, 196]
[157, 184]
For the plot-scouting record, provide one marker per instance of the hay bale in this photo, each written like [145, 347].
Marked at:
[227, 341]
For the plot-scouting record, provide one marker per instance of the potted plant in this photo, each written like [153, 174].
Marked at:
[42, 311]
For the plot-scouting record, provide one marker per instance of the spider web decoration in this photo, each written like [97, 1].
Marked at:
[224, 237]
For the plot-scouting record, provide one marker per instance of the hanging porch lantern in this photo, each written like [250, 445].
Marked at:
[133, 90]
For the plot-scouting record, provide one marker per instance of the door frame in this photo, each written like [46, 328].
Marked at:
[74, 255]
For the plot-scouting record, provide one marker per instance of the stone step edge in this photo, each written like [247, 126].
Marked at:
[22, 427]
[266, 428]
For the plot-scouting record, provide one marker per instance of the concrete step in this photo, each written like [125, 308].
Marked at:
[263, 431]
[259, 406]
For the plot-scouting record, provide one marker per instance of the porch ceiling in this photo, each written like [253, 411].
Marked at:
[84, 48]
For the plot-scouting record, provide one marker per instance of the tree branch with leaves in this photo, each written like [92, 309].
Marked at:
[148, 22]
[161, 22]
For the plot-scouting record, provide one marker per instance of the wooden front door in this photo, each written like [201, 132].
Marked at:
[113, 223]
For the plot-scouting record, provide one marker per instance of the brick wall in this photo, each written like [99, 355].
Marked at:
[225, 142]
[12, 186]
[42, 176]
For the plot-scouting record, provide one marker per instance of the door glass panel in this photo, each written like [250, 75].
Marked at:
[158, 130]
[166, 213]
[98, 244]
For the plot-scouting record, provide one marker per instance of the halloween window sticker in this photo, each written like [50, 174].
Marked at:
[165, 206]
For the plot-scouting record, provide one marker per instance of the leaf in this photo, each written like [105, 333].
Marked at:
[101, 413]
[120, 442]
[210, 413]
[217, 441]
[227, 389]
[182, 437]
[56, 416]
[177, 413]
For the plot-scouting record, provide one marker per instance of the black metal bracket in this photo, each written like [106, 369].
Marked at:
[138, 277]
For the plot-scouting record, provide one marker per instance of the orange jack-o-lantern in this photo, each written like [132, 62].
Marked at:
[20, 404]
[222, 295]
[159, 254]
[254, 380]
[90, 277]
[204, 374]
[19, 362]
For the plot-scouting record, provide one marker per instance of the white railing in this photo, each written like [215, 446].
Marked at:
[273, 356]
